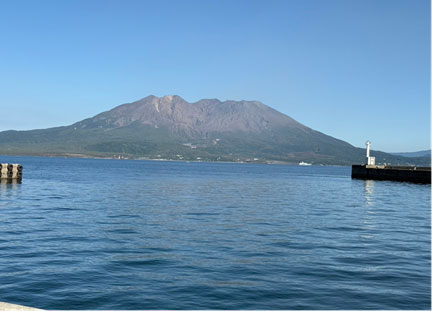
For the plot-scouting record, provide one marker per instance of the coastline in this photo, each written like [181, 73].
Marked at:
[85, 156]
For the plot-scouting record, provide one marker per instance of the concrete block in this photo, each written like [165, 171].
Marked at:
[4, 306]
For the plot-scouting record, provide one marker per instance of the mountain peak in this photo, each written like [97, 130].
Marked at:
[147, 98]
[201, 118]
[170, 98]
[165, 97]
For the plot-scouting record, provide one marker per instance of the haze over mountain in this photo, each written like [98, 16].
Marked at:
[171, 128]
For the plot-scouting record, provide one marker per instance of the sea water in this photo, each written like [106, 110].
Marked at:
[123, 234]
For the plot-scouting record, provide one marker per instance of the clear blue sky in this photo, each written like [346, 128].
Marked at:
[353, 69]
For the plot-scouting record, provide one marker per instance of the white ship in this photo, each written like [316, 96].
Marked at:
[304, 163]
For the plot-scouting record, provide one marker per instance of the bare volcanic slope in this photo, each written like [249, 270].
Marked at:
[194, 120]
[171, 128]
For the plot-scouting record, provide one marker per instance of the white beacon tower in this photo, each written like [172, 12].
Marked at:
[369, 160]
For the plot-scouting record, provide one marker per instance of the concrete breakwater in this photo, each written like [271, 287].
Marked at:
[11, 172]
[4, 306]
[398, 173]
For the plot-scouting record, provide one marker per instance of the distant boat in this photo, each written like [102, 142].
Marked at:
[304, 163]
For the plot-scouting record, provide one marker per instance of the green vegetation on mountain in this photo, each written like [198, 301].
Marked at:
[208, 130]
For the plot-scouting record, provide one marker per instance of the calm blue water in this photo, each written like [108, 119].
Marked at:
[111, 234]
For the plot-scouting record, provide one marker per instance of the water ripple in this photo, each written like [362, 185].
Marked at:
[167, 235]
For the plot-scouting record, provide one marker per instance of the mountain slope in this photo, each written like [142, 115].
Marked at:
[171, 128]
[423, 153]
[197, 119]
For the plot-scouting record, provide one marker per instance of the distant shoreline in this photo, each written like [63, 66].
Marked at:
[84, 156]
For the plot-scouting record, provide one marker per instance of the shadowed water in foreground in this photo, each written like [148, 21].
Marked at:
[109, 234]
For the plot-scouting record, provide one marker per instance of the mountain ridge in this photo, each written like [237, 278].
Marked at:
[420, 153]
[169, 127]
[174, 112]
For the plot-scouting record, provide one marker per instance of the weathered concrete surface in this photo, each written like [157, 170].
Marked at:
[12, 307]
[10, 171]
[398, 173]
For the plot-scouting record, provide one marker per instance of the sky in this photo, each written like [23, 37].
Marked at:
[356, 70]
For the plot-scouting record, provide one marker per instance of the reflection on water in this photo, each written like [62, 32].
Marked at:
[10, 181]
[9, 184]
[9, 191]
[368, 236]
[369, 186]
